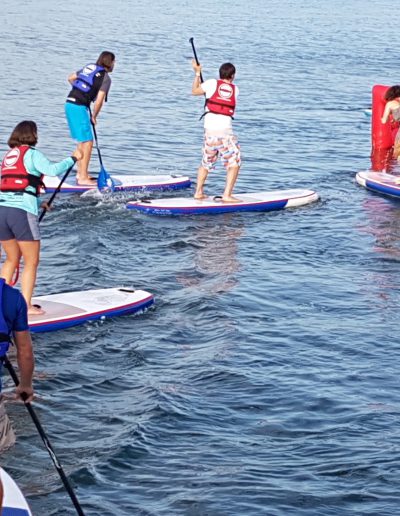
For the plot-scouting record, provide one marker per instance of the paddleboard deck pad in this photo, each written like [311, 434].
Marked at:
[258, 201]
[14, 503]
[132, 183]
[380, 182]
[73, 308]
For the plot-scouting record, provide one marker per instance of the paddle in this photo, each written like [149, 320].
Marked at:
[49, 203]
[45, 439]
[104, 180]
[195, 56]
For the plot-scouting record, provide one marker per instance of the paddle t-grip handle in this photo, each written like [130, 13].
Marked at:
[195, 57]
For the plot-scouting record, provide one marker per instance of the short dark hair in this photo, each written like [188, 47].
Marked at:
[106, 60]
[392, 93]
[227, 71]
[24, 133]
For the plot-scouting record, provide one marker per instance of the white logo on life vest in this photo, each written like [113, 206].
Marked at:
[11, 157]
[225, 91]
[89, 69]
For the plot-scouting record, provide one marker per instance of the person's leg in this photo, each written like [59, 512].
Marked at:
[13, 255]
[209, 157]
[78, 118]
[30, 253]
[82, 176]
[231, 177]
[231, 158]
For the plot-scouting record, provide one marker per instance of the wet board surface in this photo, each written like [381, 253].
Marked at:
[14, 503]
[380, 182]
[257, 201]
[127, 183]
[74, 308]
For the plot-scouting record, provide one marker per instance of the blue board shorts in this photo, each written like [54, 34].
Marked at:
[18, 224]
[78, 119]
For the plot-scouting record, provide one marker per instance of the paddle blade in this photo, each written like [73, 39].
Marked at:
[105, 182]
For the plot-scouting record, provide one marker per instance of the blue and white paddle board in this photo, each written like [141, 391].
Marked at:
[14, 503]
[380, 182]
[132, 183]
[73, 308]
[257, 201]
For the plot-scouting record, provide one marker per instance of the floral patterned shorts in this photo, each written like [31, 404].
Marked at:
[225, 146]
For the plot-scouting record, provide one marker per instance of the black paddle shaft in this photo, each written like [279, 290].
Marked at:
[45, 440]
[195, 56]
[95, 138]
[50, 201]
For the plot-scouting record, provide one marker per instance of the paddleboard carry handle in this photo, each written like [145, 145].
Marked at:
[130, 290]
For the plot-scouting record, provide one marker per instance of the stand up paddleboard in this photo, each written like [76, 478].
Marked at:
[131, 183]
[14, 503]
[379, 182]
[260, 201]
[73, 308]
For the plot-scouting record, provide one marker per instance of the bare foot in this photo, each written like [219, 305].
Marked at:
[35, 310]
[230, 199]
[87, 181]
[200, 197]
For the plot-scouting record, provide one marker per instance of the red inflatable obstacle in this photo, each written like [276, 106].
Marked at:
[383, 135]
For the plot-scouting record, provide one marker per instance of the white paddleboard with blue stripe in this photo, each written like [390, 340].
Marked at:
[380, 182]
[74, 308]
[257, 201]
[14, 503]
[132, 183]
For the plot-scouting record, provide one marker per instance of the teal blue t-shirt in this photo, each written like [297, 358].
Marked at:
[37, 164]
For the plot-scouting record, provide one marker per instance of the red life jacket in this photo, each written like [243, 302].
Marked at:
[14, 176]
[223, 100]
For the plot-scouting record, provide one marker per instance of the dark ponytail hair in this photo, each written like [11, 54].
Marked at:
[25, 133]
[106, 60]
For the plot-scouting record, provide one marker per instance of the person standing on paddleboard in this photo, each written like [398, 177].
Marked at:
[90, 84]
[219, 140]
[392, 107]
[14, 322]
[20, 183]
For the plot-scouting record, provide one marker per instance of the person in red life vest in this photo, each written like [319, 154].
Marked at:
[20, 181]
[392, 108]
[219, 139]
[90, 84]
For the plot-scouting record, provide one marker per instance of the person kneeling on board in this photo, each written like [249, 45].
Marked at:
[90, 84]
[20, 183]
[219, 140]
[14, 322]
[392, 107]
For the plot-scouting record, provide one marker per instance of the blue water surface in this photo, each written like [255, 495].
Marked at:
[265, 379]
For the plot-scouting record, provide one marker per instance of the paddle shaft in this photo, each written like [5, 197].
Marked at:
[195, 57]
[45, 440]
[95, 138]
[50, 201]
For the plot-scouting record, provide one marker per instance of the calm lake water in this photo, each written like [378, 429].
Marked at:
[265, 378]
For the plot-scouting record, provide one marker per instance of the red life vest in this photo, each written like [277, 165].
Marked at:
[14, 176]
[223, 100]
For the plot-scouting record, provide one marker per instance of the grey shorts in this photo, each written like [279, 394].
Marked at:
[18, 224]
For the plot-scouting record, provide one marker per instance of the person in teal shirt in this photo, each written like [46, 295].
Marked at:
[20, 184]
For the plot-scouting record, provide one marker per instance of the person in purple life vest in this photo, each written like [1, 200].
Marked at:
[14, 324]
[219, 140]
[21, 174]
[90, 84]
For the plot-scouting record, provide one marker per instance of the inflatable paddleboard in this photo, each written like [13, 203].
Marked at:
[131, 183]
[14, 503]
[73, 308]
[260, 201]
[380, 182]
